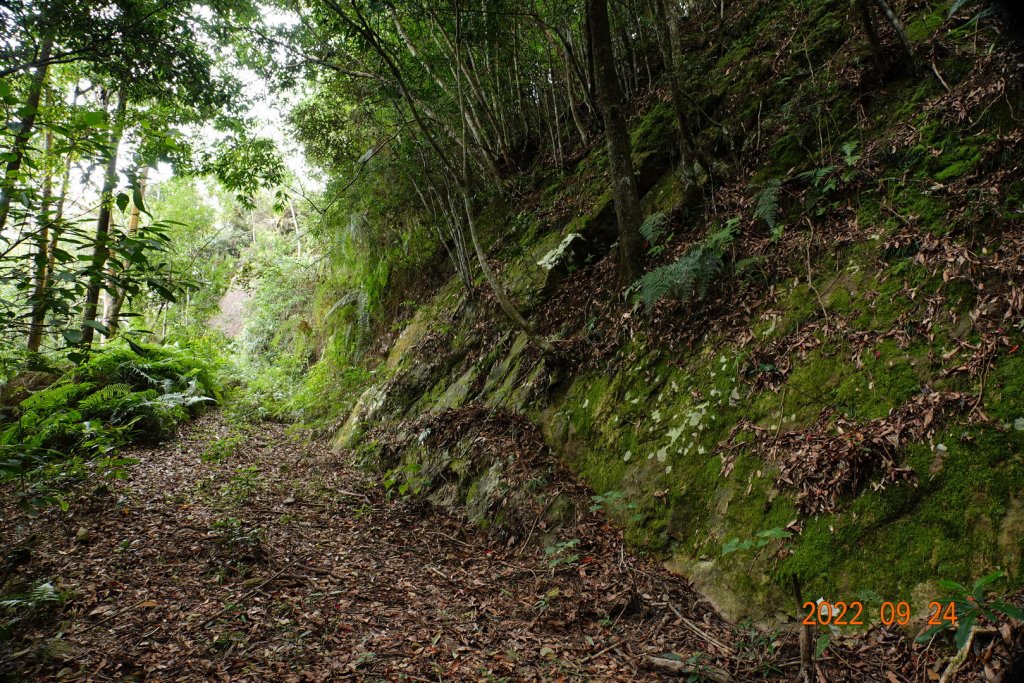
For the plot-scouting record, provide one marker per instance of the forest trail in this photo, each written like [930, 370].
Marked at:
[241, 553]
[232, 310]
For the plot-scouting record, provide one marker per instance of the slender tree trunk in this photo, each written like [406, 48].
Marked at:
[624, 187]
[499, 291]
[56, 224]
[864, 9]
[101, 250]
[112, 317]
[689, 151]
[295, 224]
[21, 139]
[901, 33]
[40, 285]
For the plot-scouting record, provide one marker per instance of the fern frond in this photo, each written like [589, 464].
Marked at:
[54, 397]
[107, 397]
[767, 208]
[653, 227]
[691, 275]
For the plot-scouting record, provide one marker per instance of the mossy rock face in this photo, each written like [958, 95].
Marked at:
[599, 228]
[657, 428]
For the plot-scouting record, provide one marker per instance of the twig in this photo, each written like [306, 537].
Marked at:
[703, 634]
[450, 538]
[806, 652]
[598, 654]
[961, 656]
[246, 595]
[684, 669]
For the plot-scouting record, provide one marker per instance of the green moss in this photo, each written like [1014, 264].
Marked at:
[953, 525]
[1004, 394]
[655, 130]
[925, 27]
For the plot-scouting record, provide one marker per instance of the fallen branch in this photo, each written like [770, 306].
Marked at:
[684, 669]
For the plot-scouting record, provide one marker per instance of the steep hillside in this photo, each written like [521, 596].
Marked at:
[842, 380]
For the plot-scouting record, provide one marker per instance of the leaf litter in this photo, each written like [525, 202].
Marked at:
[284, 562]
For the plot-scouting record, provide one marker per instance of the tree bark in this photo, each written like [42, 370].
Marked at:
[40, 284]
[112, 317]
[620, 159]
[101, 249]
[21, 140]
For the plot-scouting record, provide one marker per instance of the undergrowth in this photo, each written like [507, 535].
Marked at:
[125, 394]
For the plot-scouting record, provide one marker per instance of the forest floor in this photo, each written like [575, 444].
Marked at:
[245, 553]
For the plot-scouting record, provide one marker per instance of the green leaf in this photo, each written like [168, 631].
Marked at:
[122, 201]
[1009, 610]
[95, 119]
[98, 326]
[137, 349]
[823, 642]
[137, 199]
[73, 336]
[930, 633]
[986, 580]
[162, 291]
[964, 630]
[952, 586]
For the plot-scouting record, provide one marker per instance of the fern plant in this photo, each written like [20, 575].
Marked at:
[692, 275]
[653, 229]
[767, 206]
[43, 597]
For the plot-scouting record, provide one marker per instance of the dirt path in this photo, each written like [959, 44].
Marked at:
[281, 562]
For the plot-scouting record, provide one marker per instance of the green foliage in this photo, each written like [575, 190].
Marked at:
[653, 229]
[691, 276]
[242, 544]
[561, 553]
[221, 449]
[245, 482]
[767, 207]
[121, 395]
[972, 604]
[760, 540]
[603, 499]
[18, 609]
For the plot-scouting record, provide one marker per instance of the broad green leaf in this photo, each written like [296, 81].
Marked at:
[986, 580]
[73, 336]
[137, 200]
[162, 291]
[964, 630]
[98, 326]
[136, 348]
[823, 642]
[952, 586]
[931, 633]
[94, 118]
[122, 201]
[1009, 610]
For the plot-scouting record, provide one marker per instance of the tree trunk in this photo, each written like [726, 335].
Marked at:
[21, 140]
[40, 261]
[691, 158]
[112, 317]
[864, 9]
[620, 159]
[901, 33]
[101, 250]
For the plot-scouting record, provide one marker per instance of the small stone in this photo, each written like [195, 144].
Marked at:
[83, 535]
[1018, 424]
